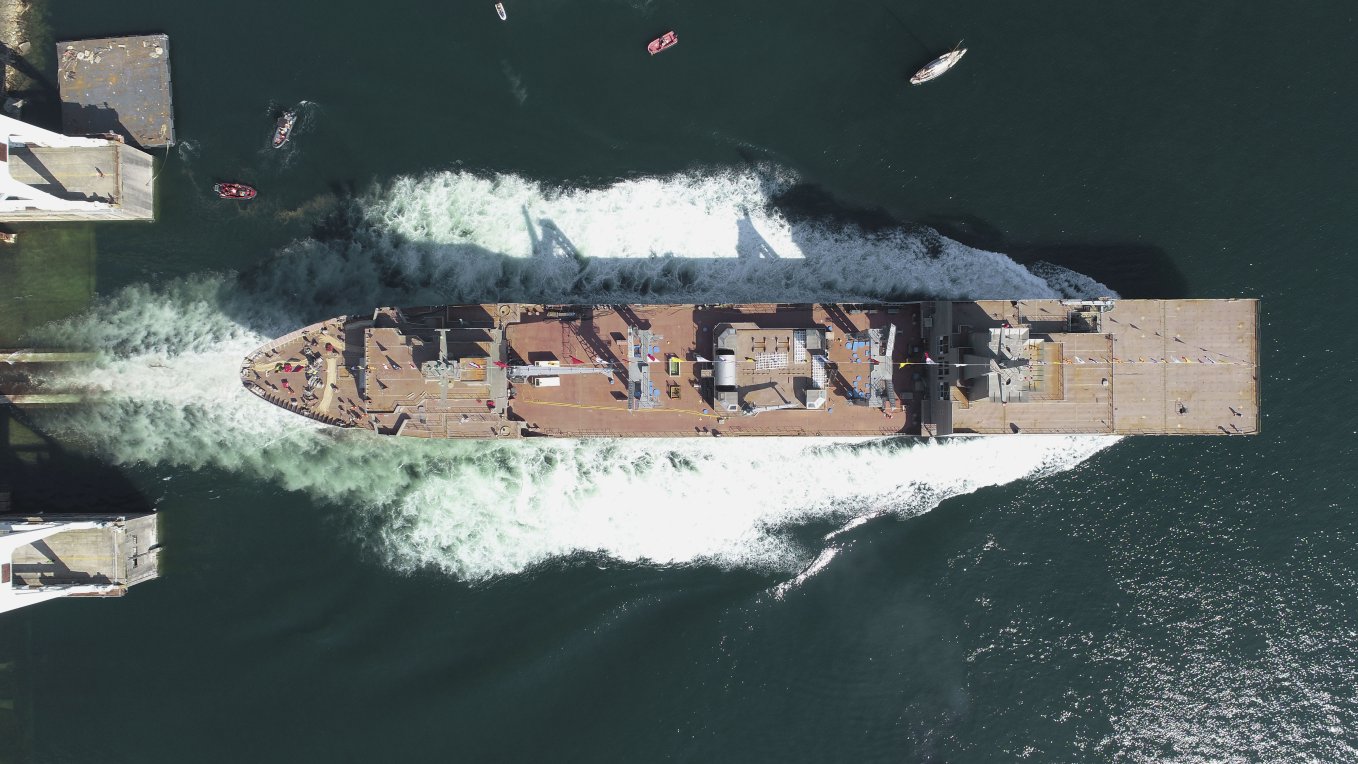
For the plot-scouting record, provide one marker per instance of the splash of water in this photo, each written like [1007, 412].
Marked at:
[170, 393]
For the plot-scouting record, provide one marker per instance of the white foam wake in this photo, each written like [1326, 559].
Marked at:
[170, 393]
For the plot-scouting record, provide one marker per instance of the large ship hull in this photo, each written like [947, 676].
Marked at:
[930, 368]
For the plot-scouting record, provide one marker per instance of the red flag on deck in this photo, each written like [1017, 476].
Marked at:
[502, 364]
[576, 360]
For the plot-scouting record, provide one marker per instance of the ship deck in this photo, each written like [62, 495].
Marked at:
[591, 405]
[1168, 367]
[515, 370]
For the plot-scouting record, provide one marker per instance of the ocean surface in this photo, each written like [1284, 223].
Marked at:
[331, 596]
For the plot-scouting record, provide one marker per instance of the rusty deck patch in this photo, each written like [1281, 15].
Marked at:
[117, 85]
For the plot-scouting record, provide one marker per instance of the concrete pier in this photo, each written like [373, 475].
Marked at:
[47, 176]
[53, 556]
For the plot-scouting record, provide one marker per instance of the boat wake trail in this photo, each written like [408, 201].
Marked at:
[168, 391]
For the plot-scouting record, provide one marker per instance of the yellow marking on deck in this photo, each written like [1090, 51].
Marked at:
[331, 364]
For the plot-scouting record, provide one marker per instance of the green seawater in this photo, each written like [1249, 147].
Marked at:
[336, 598]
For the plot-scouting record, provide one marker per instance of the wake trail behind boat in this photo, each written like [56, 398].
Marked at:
[170, 392]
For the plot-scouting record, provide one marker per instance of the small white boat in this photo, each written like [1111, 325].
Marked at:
[500, 9]
[938, 66]
[282, 130]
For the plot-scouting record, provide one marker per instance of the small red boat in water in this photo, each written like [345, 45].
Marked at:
[662, 42]
[234, 191]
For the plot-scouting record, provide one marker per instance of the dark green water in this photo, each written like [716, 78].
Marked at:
[332, 598]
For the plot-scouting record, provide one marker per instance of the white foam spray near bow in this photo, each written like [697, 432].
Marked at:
[170, 393]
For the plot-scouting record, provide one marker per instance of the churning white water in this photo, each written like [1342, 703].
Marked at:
[169, 392]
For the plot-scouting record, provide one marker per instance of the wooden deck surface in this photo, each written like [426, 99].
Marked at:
[1149, 366]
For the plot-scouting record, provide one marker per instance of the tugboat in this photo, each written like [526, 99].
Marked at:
[500, 9]
[235, 191]
[938, 66]
[662, 42]
[283, 129]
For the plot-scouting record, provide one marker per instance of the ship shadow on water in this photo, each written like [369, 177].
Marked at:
[1134, 271]
[353, 263]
